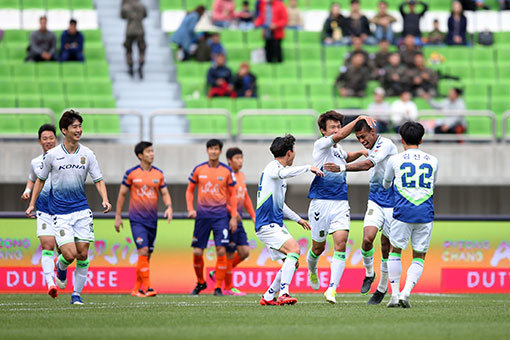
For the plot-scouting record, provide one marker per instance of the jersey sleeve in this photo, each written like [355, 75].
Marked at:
[232, 179]
[342, 151]
[31, 174]
[380, 153]
[46, 167]
[389, 173]
[290, 214]
[162, 183]
[293, 171]
[193, 177]
[323, 143]
[94, 171]
[127, 180]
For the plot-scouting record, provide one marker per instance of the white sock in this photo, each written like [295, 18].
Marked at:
[368, 261]
[337, 269]
[274, 288]
[48, 267]
[80, 276]
[312, 260]
[383, 283]
[288, 269]
[394, 271]
[413, 275]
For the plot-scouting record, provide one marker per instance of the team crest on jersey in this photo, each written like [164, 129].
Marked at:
[44, 226]
[220, 178]
[82, 160]
[62, 233]
[139, 240]
[370, 211]
[156, 181]
[321, 233]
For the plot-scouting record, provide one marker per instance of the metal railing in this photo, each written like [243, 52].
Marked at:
[243, 136]
[504, 121]
[115, 112]
[27, 111]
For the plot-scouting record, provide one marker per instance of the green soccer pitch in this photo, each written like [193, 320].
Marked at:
[209, 317]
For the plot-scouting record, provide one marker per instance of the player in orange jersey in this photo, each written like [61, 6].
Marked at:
[216, 187]
[143, 182]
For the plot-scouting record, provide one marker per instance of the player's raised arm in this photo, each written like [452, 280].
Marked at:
[121, 198]
[167, 201]
[345, 131]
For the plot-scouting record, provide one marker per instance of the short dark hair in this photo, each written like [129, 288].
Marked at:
[354, 2]
[246, 3]
[330, 115]
[47, 127]
[140, 147]
[384, 2]
[383, 40]
[458, 90]
[231, 152]
[281, 145]
[412, 133]
[214, 142]
[68, 118]
[361, 125]
[73, 22]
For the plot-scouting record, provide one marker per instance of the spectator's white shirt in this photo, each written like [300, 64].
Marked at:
[375, 108]
[403, 112]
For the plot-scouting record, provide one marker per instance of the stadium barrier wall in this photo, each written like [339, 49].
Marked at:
[464, 257]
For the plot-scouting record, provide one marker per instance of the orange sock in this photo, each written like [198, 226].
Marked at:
[138, 282]
[236, 260]
[228, 275]
[221, 269]
[198, 264]
[143, 265]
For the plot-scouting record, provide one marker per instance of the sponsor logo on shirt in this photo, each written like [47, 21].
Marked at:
[202, 176]
[71, 166]
[136, 180]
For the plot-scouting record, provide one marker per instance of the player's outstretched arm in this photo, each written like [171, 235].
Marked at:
[167, 201]
[352, 156]
[345, 131]
[121, 198]
[293, 171]
[101, 188]
[192, 213]
[389, 174]
[291, 215]
[39, 184]
[28, 189]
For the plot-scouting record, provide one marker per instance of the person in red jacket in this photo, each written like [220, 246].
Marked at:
[272, 17]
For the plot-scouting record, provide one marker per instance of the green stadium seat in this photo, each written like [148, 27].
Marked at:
[104, 102]
[165, 5]
[273, 103]
[319, 4]
[51, 88]
[312, 39]
[238, 54]
[476, 90]
[500, 91]
[290, 40]
[82, 4]
[262, 71]
[476, 104]
[8, 101]
[27, 88]
[192, 4]
[310, 53]
[5, 72]
[321, 91]
[57, 4]
[106, 124]
[312, 72]
[54, 103]
[485, 73]
[25, 71]
[335, 54]
[7, 88]
[94, 53]
[29, 101]
[269, 89]
[502, 39]
[462, 72]
[322, 105]
[4, 53]
[190, 70]
[439, 5]
[18, 53]
[10, 4]
[197, 103]
[254, 39]
[76, 89]
[286, 72]
[331, 72]
[349, 103]
[34, 4]
[78, 101]
[421, 103]
[297, 103]
[500, 105]
[482, 56]
[73, 71]
[199, 125]
[232, 39]
[97, 70]
[301, 124]
[16, 37]
[503, 56]
[31, 123]
[445, 85]
[504, 73]
[48, 71]
[252, 125]
[222, 103]
[9, 123]
[92, 36]
[292, 91]
[100, 88]
[479, 125]
[192, 88]
[290, 54]
[456, 55]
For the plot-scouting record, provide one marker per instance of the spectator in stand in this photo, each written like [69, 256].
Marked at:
[383, 21]
[134, 12]
[357, 48]
[353, 79]
[334, 28]
[457, 26]
[245, 17]
[220, 80]
[185, 37]
[473, 5]
[435, 37]
[295, 17]
[380, 110]
[408, 50]
[223, 13]
[412, 19]
[394, 76]
[358, 25]
[43, 43]
[381, 58]
[216, 46]
[273, 19]
[504, 4]
[403, 110]
[454, 102]
[71, 44]
[245, 82]
[423, 79]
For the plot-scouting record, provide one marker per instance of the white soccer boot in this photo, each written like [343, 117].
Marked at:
[313, 277]
[330, 294]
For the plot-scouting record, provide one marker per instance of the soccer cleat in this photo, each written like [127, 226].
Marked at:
[198, 288]
[404, 302]
[61, 277]
[286, 299]
[76, 300]
[367, 283]
[212, 275]
[330, 294]
[264, 302]
[138, 293]
[234, 292]
[151, 292]
[218, 292]
[376, 298]
[313, 277]
[52, 291]
[393, 302]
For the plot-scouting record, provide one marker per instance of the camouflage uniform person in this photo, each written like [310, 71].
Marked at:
[134, 12]
[353, 81]
[394, 76]
[423, 80]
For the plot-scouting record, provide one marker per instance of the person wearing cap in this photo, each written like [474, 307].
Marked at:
[454, 102]
[380, 109]
[245, 82]
[412, 18]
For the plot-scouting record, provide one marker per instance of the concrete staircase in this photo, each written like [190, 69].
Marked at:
[158, 89]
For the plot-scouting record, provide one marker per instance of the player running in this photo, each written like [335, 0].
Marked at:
[143, 182]
[379, 212]
[413, 174]
[216, 187]
[271, 209]
[47, 140]
[68, 165]
[329, 211]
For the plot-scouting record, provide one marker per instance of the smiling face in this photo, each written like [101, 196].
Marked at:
[214, 153]
[47, 140]
[367, 138]
[73, 131]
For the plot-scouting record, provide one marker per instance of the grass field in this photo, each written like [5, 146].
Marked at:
[209, 317]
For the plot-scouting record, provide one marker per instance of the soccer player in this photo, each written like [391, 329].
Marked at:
[379, 212]
[271, 209]
[68, 164]
[329, 211]
[143, 182]
[216, 187]
[413, 174]
[47, 140]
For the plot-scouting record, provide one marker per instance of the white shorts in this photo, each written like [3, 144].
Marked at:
[328, 216]
[274, 237]
[419, 233]
[44, 224]
[377, 216]
[74, 227]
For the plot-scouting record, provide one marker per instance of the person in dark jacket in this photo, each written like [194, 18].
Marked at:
[71, 44]
[220, 80]
[353, 80]
[412, 18]
[245, 83]
[43, 43]
[457, 26]
[134, 12]
[358, 25]
[334, 28]
[185, 37]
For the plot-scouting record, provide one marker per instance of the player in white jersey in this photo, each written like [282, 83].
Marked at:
[379, 212]
[413, 174]
[329, 211]
[271, 209]
[68, 164]
[47, 140]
